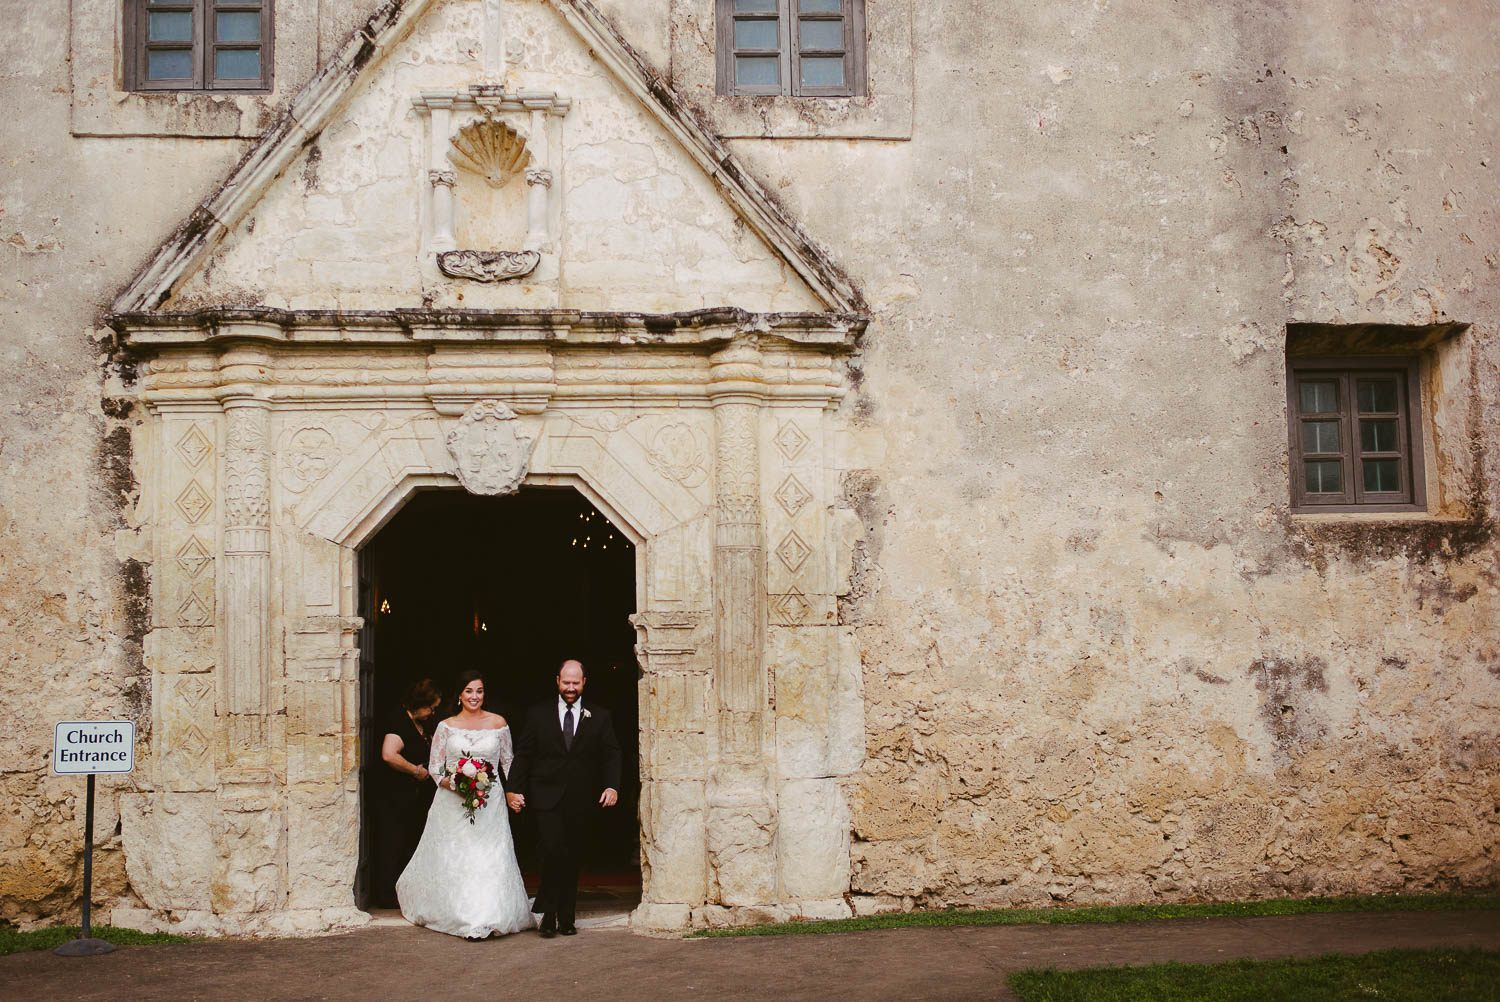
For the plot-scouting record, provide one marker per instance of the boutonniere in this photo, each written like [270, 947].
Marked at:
[586, 713]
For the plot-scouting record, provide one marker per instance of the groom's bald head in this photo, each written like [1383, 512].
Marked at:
[570, 679]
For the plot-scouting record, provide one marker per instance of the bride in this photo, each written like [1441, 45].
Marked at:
[463, 879]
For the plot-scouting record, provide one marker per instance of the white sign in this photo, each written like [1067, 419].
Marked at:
[80, 747]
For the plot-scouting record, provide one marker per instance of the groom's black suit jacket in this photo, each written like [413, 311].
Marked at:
[551, 776]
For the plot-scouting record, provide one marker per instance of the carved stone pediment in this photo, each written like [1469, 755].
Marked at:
[490, 451]
[488, 266]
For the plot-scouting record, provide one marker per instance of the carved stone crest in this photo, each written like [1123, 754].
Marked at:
[490, 452]
[488, 266]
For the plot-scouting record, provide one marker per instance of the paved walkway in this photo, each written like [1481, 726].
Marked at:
[402, 962]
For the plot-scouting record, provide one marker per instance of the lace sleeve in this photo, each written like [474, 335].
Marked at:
[507, 751]
[439, 754]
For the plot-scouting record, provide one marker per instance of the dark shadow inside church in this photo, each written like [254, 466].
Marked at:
[513, 586]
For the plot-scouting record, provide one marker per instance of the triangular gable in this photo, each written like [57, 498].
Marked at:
[316, 106]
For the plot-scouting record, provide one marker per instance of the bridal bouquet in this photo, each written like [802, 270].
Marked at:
[472, 780]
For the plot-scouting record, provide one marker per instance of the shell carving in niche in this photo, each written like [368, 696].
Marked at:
[489, 148]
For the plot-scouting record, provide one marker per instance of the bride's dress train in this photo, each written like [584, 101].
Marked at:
[463, 879]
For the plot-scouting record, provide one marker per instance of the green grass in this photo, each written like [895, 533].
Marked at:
[1124, 913]
[1444, 975]
[12, 941]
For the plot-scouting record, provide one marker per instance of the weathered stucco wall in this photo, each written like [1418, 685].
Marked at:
[78, 217]
[1102, 662]
[1100, 659]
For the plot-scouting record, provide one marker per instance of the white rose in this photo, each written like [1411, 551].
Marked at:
[482, 782]
[468, 769]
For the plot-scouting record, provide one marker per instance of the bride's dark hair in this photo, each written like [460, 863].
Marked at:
[472, 675]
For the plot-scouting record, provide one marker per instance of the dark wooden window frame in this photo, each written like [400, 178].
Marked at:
[203, 45]
[1346, 372]
[788, 16]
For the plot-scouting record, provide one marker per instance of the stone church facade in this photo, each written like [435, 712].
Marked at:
[961, 427]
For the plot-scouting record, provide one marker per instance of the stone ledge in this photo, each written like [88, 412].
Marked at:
[837, 331]
[256, 925]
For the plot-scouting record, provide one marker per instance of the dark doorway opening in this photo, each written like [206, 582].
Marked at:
[513, 586]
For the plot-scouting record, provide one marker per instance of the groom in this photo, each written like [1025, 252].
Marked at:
[567, 767]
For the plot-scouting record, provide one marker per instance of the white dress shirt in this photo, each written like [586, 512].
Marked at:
[562, 708]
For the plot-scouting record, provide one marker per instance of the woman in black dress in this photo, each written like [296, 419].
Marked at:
[405, 791]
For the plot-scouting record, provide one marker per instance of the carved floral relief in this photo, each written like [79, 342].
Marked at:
[679, 452]
[308, 456]
[738, 464]
[608, 422]
[488, 266]
[247, 489]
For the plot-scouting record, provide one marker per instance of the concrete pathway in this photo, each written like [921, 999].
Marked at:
[402, 962]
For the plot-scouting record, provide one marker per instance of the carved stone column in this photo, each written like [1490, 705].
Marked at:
[739, 553]
[741, 830]
[440, 175]
[443, 238]
[539, 180]
[246, 680]
[538, 177]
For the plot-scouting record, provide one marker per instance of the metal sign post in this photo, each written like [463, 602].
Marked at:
[91, 747]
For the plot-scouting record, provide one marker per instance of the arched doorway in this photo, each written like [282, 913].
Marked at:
[512, 585]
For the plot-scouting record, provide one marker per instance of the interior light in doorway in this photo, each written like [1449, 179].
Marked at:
[385, 605]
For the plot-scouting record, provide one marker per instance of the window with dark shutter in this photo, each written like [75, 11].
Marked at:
[1356, 436]
[802, 48]
[207, 45]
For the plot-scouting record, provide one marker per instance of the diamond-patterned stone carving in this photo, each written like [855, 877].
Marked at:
[193, 690]
[193, 556]
[790, 609]
[194, 611]
[790, 440]
[192, 744]
[194, 502]
[792, 496]
[793, 552]
[194, 447]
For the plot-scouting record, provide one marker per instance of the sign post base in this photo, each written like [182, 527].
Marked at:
[84, 948]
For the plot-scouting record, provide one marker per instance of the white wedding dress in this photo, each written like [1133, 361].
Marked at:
[463, 879]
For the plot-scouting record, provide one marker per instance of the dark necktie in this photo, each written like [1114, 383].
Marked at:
[568, 728]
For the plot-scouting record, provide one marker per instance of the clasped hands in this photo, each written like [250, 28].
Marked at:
[517, 800]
